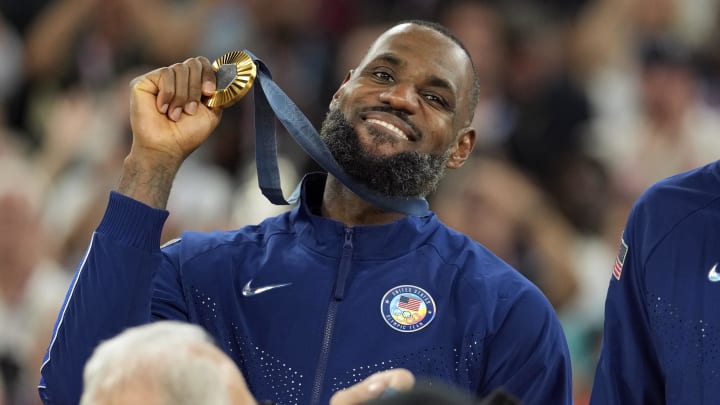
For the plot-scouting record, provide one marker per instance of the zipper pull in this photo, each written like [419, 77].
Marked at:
[348, 240]
[345, 265]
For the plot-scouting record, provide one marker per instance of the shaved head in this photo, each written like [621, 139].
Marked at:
[474, 89]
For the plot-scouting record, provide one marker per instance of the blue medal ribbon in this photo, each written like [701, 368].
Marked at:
[270, 102]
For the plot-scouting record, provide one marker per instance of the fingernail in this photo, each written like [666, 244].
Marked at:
[164, 108]
[191, 107]
[208, 87]
[175, 114]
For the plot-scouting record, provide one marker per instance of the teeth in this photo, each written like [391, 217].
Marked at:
[392, 128]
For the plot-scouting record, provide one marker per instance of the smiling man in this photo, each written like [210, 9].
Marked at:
[396, 127]
[314, 300]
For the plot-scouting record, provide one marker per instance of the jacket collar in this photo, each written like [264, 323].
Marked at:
[327, 236]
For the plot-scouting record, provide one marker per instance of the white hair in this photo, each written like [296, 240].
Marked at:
[168, 357]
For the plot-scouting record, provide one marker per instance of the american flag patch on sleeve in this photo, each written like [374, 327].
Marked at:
[620, 259]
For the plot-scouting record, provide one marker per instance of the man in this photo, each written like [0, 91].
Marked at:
[315, 300]
[661, 323]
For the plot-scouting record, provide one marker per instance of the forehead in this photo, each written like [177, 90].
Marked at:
[425, 50]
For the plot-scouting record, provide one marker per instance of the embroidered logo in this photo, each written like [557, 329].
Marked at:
[713, 275]
[249, 291]
[620, 259]
[407, 308]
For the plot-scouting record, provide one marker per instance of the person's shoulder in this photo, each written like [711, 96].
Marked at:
[689, 190]
[677, 198]
[460, 250]
[671, 208]
[481, 269]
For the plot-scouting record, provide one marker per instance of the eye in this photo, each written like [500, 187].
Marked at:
[435, 99]
[382, 76]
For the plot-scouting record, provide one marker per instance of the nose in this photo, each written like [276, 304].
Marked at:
[401, 97]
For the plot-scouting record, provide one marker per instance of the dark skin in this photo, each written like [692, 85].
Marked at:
[411, 68]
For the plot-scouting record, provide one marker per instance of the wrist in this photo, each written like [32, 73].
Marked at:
[148, 178]
[154, 158]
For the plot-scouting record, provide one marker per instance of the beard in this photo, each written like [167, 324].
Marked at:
[404, 174]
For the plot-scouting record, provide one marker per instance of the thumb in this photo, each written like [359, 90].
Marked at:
[398, 379]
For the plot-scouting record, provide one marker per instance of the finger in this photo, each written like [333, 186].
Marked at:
[166, 89]
[374, 386]
[194, 85]
[399, 379]
[178, 102]
[208, 76]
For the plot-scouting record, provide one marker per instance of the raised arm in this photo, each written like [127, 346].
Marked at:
[124, 268]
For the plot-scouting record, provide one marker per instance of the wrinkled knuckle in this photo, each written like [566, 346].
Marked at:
[167, 93]
[164, 71]
[179, 67]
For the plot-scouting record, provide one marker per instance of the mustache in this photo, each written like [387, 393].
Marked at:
[400, 114]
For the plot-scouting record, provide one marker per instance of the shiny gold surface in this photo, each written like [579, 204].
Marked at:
[246, 71]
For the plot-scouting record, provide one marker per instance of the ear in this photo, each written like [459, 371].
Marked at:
[462, 149]
[348, 76]
[338, 92]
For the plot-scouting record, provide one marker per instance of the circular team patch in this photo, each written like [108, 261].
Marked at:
[407, 308]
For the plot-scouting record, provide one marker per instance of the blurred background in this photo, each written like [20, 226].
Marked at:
[583, 105]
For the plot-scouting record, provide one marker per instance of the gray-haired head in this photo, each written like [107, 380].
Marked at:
[162, 363]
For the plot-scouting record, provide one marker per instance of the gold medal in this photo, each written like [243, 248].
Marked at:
[235, 73]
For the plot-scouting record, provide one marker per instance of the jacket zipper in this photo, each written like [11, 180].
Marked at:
[345, 265]
[338, 295]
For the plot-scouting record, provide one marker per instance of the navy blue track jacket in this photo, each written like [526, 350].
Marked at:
[307, 306]
[662, 325]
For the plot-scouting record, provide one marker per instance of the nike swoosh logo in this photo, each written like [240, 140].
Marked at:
[713, 274]
[249, 291]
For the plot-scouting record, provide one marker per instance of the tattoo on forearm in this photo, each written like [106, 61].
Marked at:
[149, 185]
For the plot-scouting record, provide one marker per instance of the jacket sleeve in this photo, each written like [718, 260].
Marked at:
[528, 355]
[112, 289]
[628, 371]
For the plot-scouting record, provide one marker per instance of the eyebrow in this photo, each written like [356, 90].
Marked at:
[442, 83]
[390, 58]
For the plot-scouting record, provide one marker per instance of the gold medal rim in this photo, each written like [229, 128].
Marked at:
[246, 71]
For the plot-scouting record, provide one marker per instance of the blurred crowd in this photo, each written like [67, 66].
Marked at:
[583, 105]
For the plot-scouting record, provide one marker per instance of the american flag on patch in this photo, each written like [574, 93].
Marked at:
[620, 260]
[409, 303]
